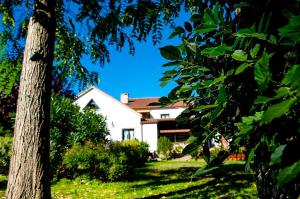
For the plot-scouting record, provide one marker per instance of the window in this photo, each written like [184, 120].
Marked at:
[92, 105]
[127, 134]
[164, 115]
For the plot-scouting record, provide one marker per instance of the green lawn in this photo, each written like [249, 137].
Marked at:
[168, 179]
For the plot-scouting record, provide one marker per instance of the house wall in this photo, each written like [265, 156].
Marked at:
[150, 136]
[118, 116]
[174, 112]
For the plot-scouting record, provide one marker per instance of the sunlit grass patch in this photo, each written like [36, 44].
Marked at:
[166, 179]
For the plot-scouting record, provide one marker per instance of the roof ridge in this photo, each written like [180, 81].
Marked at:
[108, 95]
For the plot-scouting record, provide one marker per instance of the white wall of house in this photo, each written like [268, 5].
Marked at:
[150, 136]
[118, 116]
[173, 112]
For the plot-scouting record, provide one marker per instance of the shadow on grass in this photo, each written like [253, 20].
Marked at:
[221, 182]
[3, 184]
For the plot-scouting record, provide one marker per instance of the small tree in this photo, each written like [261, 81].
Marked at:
[164, 147]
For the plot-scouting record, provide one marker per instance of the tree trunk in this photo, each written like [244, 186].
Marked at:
[266, 178]
[29, 165]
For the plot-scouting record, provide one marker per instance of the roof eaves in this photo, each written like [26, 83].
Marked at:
[84, 92]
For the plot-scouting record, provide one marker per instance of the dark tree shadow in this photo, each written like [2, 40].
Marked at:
[219, 183]
[3, 184]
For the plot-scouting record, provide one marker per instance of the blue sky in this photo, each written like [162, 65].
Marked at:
[137, 75]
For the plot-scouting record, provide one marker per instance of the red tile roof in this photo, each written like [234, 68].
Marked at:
[154, 121]
[143, 103]
[175, 131]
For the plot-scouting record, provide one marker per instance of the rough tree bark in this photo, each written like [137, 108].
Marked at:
[266, 178]
[29, 172]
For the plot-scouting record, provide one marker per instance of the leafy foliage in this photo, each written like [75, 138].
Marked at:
[114, 162]
[5, 153]
[89, 28]
[70, 126]
[239, 73]
[164, 147]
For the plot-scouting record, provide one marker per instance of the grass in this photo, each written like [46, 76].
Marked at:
[167, 179]
[3, 181]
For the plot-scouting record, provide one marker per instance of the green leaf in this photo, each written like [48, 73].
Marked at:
[254, 51]
[273, 40]
[239, 55]
[164, 100]
[215, 51]
[165, 80]
[221, 101]
[291, 31]
[205, 28]
[203, 171]
[248, 32]
[259, 29]
[192, 146]
[263, 100]
[281, 92]
[292, 77]
[262, 73]
[277, 110]
[219, 158]
[288, 173]
[184, 88]
[222, 94]
[173, 63]
[216, 11]
[241, 68]
[193, 46]
[276, 155]
[170, 53]
[253, 118]
[203, 107]
[250, 158]
[195, 18]
[178, 30]
[208, 24]
[188, 26]
[171, 73]
[208, 17]
[230, 72]
[220, 79]
[244, 129]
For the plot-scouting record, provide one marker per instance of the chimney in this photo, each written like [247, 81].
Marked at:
[124, 98]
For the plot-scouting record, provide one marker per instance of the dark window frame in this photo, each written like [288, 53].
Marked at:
[164, 115]
[131, 136]
[92, 105]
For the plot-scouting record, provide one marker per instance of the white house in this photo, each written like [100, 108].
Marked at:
[135, 118]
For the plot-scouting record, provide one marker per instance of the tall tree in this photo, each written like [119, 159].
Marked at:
[28, 174]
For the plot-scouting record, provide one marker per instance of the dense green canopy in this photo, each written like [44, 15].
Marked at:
[238, 68]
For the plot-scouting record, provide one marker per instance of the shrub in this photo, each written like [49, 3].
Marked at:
[5, 153]
[164, 148]
[116, 162]
[119, 169]
[177, 151]
[136, 152]
[69, 126]
[86, 159]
